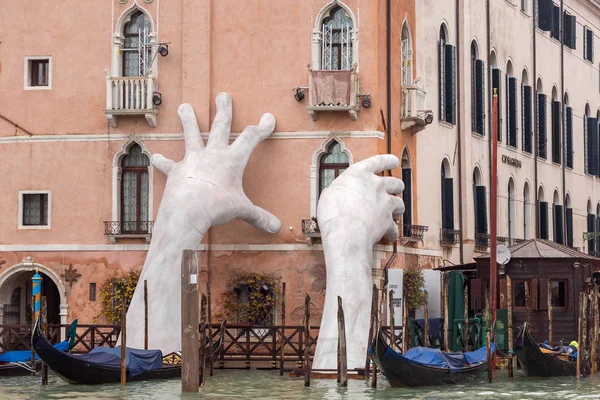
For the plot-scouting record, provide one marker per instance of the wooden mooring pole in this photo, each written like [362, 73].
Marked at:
[578, 367]
[405, 325]
[342, 377]
[203, 340]
[306, 357]
[123, 337]
[510, 326]
[44, 311]
[189, 322]
[375, 319]
[371, 331]
[549, 296]
[466, 319]
[145, 314]
[446, 316]
[487, 335]
[209, 315]
[595, 330]
[33, 322]
[527, 303]
[392, 320]
[282, 336]
[426, 317]
[583, 344]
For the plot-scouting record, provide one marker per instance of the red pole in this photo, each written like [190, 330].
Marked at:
[493, 207]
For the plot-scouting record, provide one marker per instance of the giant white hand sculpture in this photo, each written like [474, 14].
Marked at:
[202, 190]
[354, 213]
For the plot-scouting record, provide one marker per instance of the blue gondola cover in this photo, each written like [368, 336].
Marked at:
[25, 355]
[138, 361]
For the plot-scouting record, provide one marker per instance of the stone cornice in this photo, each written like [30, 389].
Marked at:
[592, 5]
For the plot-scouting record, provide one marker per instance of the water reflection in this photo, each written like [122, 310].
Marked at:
[265, 385]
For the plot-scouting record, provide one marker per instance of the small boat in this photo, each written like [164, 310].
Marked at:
[536, 361]
[18, 362]
[423, 366]
[103, 364]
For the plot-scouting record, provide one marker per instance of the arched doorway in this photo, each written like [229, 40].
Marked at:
[15, 294]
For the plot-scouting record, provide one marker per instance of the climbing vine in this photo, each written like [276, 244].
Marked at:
[251, 298]
[413, 282]
[111, 292]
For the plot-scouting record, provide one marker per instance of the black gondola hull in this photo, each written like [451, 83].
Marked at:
[15, 370]
[74, 370]
[536, 363]
[403, 372]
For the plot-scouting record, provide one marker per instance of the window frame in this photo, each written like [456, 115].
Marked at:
[334, 166]
[138, 170]
[566, 302]
[514, 289]
[22, 193]
[28, 63]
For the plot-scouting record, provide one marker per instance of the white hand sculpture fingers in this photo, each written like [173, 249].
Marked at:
[252, 135]
[191, 132]
[393, 185]
[397, 206]
[221, 127]
[391, 232]
[162, 163]
[379, 163]
[260, 218]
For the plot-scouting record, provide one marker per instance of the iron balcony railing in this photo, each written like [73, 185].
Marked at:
[449, 237]
[115, 228]
[414, 232]
[310, 228]
[482, 241]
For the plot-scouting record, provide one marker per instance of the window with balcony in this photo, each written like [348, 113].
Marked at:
[448, 235]
[34, 209]
[132, 194]
[38, 73]
[132, 85]
[333, 79]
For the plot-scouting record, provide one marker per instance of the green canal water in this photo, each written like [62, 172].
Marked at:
[242, 384]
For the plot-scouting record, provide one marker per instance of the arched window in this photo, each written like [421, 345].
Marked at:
[586, 142]
[447, 77]
[477, 91]
[447, 194]
[332, 164]
[526, 120]
[543, 215]
[568, 132]
[480, 210]
[512, 209]
[557, 219]
[407, 54]
[556, 156]
[496, 81]
[336, 49]
[511, 106]
[526, 211]
[542, 121]
[136, 45]
[569, 221]
[406, 194]
[135, 191]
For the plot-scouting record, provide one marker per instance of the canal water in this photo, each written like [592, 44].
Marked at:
[264, 385]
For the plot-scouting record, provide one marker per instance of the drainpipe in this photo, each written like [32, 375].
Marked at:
[388, 17]
[458, 124]
[535, 128]
[490, 97]
[562, 121]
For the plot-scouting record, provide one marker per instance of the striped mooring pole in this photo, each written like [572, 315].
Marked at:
[36, 291]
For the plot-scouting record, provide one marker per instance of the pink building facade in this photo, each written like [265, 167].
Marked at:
[89, 95]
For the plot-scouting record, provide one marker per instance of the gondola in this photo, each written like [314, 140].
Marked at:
[103, 365]
[18, 362]
[422, 366]
[536, 362]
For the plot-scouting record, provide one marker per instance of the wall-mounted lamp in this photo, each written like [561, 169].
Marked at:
[157, 99]
[576, 265]
[429, 117]
[163, 50]
[299, 95]
[365, 100]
